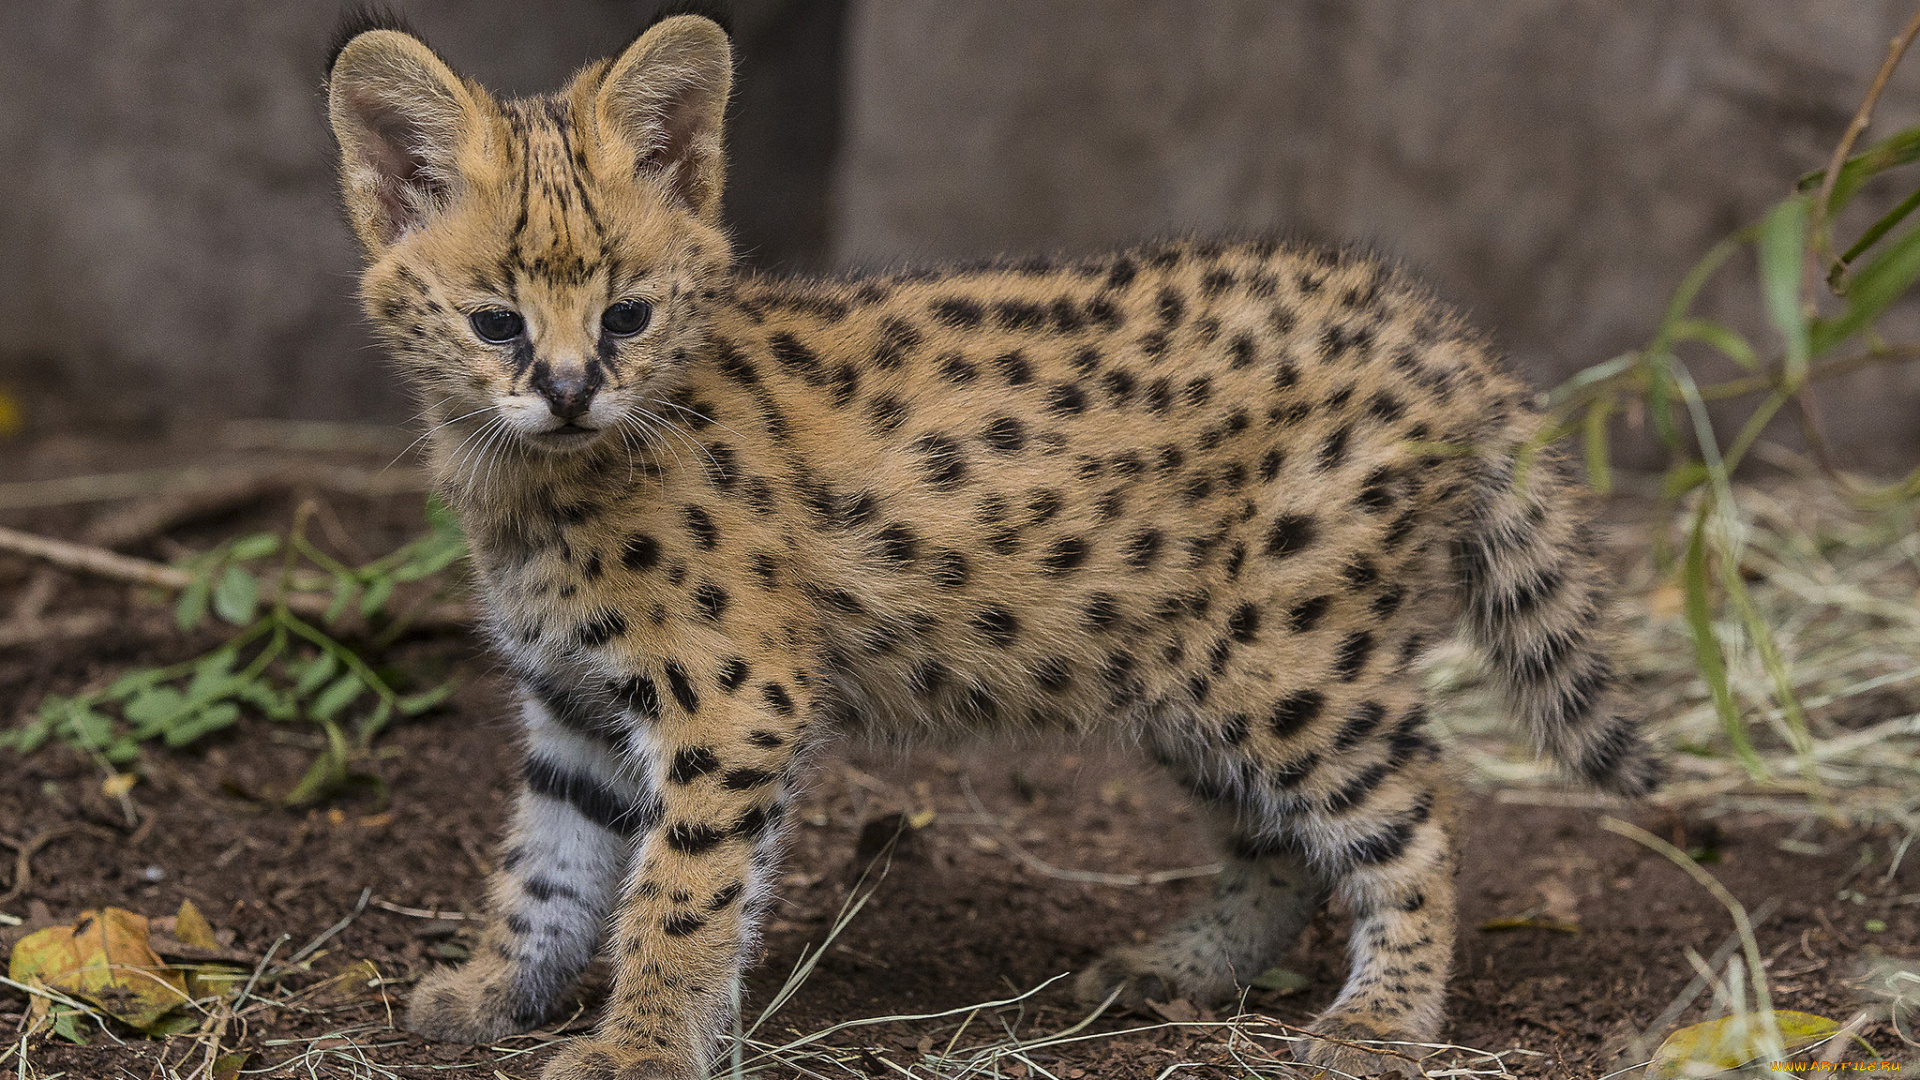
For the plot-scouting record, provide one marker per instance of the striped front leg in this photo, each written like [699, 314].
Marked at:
[688, 920]
[582, 806]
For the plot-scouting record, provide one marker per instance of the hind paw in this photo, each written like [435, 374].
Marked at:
[470, 1004]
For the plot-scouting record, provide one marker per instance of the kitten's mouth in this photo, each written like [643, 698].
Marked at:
[566, 437]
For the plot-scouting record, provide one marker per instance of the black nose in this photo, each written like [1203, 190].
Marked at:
[568, 392]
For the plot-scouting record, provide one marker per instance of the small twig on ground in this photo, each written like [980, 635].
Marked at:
[327, 934]
[24, 851]
[427, 913]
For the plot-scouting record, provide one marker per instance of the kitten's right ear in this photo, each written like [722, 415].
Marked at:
[400, 116]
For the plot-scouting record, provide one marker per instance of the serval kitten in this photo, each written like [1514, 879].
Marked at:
[1212, 498]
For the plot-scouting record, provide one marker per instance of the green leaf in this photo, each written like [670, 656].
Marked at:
[432, 560]
[336, 697]
[1732, 1041]
[314, 672]
[86, 727]
[1877, 285]
[375, 598]
[213, 676]
[208, 720]
[237, 597]
[191, 609]
[1706, 642]
[343, 589]
[441, 517]
[1899, 149]
[1873, 234]
[1280, 979]
[122, 750]
[1683, 478]
[415, 704]
[271, 703]
[1721, 337]
[66, 1024]
[30, 736]
[132, 683]
[1783, 249]
[156, 709]
[1599, 473]
[257, 546]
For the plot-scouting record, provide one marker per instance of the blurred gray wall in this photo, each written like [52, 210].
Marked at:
[1552, 165]
[169, 242]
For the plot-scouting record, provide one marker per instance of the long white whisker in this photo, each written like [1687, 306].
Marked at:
[423, 436]
[455, 458]
[697, 414]
[654, 438]
[650, 438]
[469, 462]
[686, 436]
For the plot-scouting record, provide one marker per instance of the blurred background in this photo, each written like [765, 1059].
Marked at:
[172, 249]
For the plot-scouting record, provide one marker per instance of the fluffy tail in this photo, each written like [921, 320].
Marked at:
[1535, 600]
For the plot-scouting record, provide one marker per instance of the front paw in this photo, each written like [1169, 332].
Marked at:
[1361, 1049]
[470, 1004]
[598, 1059]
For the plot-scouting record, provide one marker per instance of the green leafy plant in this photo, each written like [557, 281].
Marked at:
[277, 662]
[1823, 309]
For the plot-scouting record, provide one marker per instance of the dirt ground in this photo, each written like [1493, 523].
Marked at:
[979, 903]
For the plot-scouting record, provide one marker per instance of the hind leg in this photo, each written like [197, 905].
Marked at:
[1393, 863]
[1260, 904]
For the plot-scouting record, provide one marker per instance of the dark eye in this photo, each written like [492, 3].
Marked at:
[626, 318]
[497, 325]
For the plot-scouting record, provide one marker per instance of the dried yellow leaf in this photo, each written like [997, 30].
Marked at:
[105, 959]
[193, 928]
[1732, 1041]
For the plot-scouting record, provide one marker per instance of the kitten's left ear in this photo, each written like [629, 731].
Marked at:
[664, 102]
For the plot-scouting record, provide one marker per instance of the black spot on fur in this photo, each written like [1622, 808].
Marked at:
[691, 763]
[1244, 624]
[710, 601]
[682, 688]
[777, 698]
[1351, 658]
[948, 569]
[1067, 553]
[898, 544]
[1102, 611]
[700, 524]
[1295, 712]
[1290, 535]
[944, 464]
[998, 624]
[1005, 434]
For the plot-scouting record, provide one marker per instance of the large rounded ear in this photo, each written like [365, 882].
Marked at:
[662, 105]
[400, 115]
